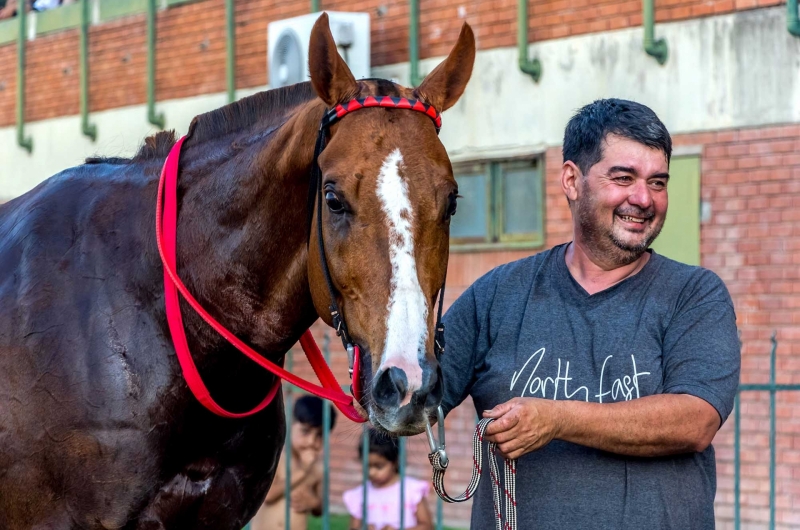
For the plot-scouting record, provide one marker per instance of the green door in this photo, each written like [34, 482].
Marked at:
[680, 237]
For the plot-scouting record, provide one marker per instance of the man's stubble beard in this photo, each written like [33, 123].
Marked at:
[604, 243]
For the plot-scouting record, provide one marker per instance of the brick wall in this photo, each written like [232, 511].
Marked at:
[191, 43]
[751, 178]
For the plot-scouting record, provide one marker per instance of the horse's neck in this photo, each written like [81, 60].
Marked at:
[243, 236]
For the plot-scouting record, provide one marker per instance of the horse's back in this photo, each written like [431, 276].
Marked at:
[71, 319]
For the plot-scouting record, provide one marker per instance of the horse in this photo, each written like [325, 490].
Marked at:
[98, 429]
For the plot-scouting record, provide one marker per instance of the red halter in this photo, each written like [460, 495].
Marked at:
[166, 239]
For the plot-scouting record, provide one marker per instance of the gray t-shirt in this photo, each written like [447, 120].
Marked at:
[529, 329]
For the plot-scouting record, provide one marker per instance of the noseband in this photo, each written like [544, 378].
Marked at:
[315, 196]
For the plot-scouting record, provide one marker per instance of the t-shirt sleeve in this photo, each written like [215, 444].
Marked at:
[701, 346]
[466, 339]
[352, 501]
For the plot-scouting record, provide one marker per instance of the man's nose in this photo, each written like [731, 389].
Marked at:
[640, 195]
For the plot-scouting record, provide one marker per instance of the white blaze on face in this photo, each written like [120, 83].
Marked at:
[406, 329]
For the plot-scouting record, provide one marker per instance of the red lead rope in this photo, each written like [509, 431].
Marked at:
[166, 238]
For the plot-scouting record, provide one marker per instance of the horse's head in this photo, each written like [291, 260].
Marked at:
[389, 194]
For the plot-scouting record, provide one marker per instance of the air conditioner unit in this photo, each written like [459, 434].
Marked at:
[287, 45]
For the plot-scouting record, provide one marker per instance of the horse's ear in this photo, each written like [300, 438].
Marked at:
[331, 78]
[442, 87]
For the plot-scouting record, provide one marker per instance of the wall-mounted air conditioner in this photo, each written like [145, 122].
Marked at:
[287, 45]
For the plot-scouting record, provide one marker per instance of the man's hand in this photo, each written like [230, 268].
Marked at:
[522, 425]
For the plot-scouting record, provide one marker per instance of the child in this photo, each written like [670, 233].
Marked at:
[306, 488]
[383, 492]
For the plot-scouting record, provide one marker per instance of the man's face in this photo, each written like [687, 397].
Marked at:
[622, 201]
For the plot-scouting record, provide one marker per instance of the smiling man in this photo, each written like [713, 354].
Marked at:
[608, 368]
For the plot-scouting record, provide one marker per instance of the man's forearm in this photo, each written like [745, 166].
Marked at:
[655, 425]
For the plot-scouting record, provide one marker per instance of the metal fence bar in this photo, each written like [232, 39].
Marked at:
[364, 475]
[326, 444]
[287, 448]
[772, 432]
[402, 444]
[737, 421]
[772, 387]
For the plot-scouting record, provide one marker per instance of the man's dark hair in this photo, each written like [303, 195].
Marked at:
[588, 128]
[308, 410]
[382, 445]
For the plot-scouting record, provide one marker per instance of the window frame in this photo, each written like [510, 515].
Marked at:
[496, 238]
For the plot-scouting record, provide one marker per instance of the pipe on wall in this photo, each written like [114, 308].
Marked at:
[655, 48]
[156, 119]
[792, 18]
[413, 43]
[88, 129]
[314, 6]
[230, 58]
[23, 141]
[532, 67]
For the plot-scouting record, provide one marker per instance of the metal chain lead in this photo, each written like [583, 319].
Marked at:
[508, 499]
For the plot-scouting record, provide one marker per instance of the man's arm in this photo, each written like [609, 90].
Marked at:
[657, 425]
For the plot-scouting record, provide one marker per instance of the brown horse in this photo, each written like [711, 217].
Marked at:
[98, 429]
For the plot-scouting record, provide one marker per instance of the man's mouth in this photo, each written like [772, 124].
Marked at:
[631, 219]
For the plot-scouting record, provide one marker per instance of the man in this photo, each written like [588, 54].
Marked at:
[305, 452]
[607, 367]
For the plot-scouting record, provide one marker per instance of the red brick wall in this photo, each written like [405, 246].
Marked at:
[191, 43]
[751, 178]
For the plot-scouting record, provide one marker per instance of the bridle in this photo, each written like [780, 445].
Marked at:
[166, 239]
[315, 195]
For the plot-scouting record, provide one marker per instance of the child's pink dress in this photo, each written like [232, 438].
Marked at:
[383, 504]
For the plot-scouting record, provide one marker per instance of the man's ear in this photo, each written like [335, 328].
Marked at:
[570, 175]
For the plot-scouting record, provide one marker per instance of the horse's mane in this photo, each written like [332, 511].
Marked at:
[264, 108]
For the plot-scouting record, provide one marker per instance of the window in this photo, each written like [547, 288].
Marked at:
[501, 204]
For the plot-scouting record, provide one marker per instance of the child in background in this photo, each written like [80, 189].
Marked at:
[383, 492]
[305, 496]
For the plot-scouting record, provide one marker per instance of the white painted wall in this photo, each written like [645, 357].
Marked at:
[737, 70]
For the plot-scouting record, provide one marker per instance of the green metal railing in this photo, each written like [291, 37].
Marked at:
[772, 387]
[290, 393]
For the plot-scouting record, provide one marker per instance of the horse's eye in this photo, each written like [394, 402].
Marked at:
[334, 204]
[452, 205]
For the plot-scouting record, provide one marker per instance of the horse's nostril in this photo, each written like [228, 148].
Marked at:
[391, 387]
[436, 391]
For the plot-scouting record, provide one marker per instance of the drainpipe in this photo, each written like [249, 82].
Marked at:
[656, 48]
[88, 129]
[156, 119]
[230, 59]
[532, 67]
[25, 143]
[413, 44]
[314, 6]
[793, 18]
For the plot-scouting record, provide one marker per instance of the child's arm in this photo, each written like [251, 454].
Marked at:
[277, 490]
[424, 517]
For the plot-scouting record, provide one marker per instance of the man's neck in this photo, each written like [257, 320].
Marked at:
[593, 273]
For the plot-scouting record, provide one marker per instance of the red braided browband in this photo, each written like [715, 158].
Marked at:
[340, 110]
